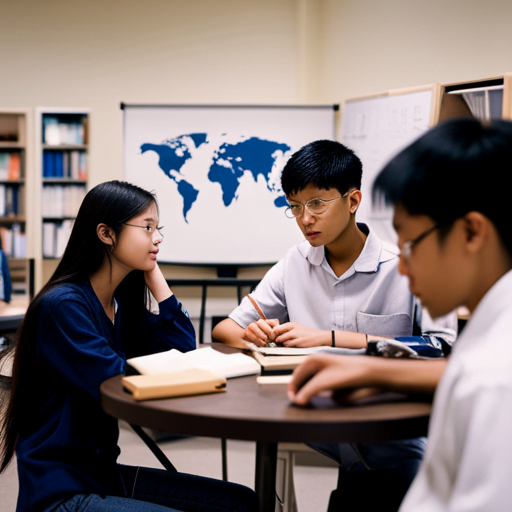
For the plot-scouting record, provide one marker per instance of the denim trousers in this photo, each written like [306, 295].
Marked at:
[375, 456]
[157, 490]
[373, 476]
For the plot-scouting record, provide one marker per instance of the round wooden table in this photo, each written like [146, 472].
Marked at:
[263, 413]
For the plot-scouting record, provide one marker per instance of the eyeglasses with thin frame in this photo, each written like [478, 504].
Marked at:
[150, 230]
[315, 206]
[409, 244]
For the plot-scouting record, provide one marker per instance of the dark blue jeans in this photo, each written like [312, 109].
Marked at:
[157, 490]
[373, 476]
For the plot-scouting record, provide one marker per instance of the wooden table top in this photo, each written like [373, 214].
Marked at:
[262, 412]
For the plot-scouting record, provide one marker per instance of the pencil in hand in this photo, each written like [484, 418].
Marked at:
[262, 316]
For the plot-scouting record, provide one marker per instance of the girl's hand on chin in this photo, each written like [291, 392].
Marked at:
[157, 284]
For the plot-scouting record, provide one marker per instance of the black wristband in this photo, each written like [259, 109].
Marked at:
[333, 339]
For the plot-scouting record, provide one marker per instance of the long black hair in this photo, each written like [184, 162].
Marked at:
[112, 203]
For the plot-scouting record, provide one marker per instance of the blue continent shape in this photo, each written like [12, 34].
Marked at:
[231, 160]
[172, 155]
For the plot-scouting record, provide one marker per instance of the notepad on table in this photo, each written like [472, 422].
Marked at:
[192, 381]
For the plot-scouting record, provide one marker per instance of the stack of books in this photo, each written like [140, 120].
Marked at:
[283, 360]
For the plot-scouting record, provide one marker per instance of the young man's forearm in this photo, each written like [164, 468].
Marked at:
[408, 375]
[229, 333]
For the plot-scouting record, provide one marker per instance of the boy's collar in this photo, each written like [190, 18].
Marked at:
[374, 252]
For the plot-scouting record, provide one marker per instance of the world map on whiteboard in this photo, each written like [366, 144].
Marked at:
[226, 161]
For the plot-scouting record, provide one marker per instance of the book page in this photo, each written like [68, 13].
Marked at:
[294, 351]
[226, 365]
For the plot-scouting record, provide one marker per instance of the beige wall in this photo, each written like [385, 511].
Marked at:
[371, 46]
[101, 52]
[97, 53]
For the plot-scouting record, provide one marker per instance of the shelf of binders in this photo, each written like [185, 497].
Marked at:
[485, 99]
[63, 162]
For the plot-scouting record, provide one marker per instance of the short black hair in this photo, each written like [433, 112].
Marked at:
[324, 164]
[459, 166]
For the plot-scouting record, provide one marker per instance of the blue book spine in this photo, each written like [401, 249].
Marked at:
[59, 164]
[45, 164]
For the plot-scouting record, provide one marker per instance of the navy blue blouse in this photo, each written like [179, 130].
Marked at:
[70, 445]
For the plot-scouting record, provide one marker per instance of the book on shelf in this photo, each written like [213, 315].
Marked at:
[65, 164]
[484, 102]
[207, 358]
[10, 165]
[63, 129]
[11, 200]
[62, 200]
[55, 238]
[13, 241]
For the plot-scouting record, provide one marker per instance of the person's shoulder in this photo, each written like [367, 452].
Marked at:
[65, 292]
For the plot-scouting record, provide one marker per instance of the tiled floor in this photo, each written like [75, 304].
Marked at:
[202, 456]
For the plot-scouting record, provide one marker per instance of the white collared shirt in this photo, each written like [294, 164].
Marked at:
[371, 297]
[468, 462]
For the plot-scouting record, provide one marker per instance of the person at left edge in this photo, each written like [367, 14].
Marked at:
[78, 331]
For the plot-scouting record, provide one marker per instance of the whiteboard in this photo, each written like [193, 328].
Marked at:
[376, 128]
[216, 172]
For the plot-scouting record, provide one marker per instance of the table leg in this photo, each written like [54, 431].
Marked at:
[266, 467]
[202, 315]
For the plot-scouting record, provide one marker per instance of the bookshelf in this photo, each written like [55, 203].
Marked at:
[486, 99]
[16, 193]
[62, 168]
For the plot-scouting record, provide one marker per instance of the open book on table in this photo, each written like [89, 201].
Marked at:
[283, 360]
[192, 381]
[207, 358]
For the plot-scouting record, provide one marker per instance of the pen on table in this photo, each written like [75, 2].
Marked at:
[262, 315]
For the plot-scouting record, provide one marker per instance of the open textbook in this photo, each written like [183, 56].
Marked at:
[207, 358]
[293, 351]
[283, 360]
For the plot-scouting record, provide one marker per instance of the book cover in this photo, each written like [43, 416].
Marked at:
[277, 365]
[14, 166]
[192, 381]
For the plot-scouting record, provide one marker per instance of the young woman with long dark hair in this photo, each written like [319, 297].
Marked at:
[78, 331]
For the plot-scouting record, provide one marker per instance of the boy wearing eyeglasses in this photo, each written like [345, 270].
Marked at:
[342, 283]
[338, 287]
[457, 253]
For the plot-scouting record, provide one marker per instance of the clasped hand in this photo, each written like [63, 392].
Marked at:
[289, 334]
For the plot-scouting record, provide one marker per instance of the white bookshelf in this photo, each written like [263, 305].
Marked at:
[62, 172]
